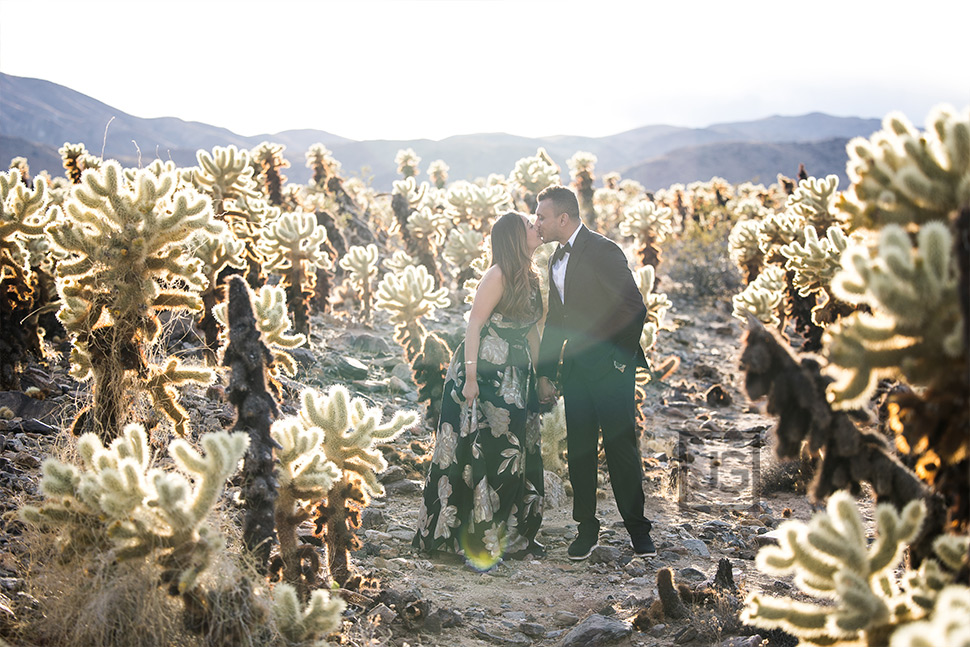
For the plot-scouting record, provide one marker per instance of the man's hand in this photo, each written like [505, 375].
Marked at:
[547, 391]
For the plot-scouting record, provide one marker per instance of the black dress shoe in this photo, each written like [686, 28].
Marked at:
[643, 545]
[583, 545]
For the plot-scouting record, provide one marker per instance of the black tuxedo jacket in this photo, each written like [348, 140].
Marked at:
[603, 314]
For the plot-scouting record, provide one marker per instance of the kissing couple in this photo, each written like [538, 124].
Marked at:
[483, 494]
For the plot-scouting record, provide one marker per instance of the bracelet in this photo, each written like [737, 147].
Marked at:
[473, 361]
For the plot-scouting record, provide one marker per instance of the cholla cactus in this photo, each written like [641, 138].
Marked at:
[407, 162]
[463, 246]
[814, 201]
[361, 265]
[830, 558]
[476, 205]
[273, 322]
[292, 245]
[915, 328]
[480, 265]
[406, 195]
[351, 431]
[408, 296]
[907, 177]
[224, 174]
[398, 261]
[948, 624]
[814, 264]
[532, 175]
[438, 172]
[306, 475]
[657, 305]
[777, 230]
[649, 225]
[23, 217]
[127, 261]
[427, 230]
[323, 164]
[745, 249]
[117, 498]
[76, 160]
[763, 297]
[300, 626]
[269, 162]
[581, 166]
[216, 251]
[553, 432]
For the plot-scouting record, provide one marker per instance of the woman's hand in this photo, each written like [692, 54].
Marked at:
[470, 390]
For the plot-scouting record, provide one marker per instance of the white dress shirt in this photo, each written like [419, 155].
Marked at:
[559, 268]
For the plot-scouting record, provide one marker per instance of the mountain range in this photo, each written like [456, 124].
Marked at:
[37, 117]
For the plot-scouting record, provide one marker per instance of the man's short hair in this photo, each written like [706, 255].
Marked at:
[564, 199]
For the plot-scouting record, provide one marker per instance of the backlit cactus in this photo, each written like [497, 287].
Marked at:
[745, 249]
[831, 559]
[657, 306]
[649, 225]
[268, 161]
[907, 177]
[408, 296]
[127, 260]
[310, 625]
[463, 245]
[427, 229]
[76, 159]
[361, 266]
[321, 161]
[351, 433]
[915, 328]
[532, 175]
[763, 297]
[814, 264]
[273, 323]
[118, 498]
[23, 216]
[814, 201]
[217, 251]
[581, 166]
[478, 206]
[224, 174]
[292, 245]
[407, 163]
[438, 172]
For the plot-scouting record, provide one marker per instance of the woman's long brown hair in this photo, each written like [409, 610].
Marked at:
[519, 278]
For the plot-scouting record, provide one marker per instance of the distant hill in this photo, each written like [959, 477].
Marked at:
[37, 117]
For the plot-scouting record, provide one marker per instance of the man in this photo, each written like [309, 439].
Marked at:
[592, 340]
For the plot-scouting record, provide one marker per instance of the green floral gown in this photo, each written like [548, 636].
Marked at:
[484, 489]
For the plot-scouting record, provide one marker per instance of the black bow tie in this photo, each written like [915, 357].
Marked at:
[561, 251]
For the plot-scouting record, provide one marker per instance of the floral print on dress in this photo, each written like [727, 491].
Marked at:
[484, 488]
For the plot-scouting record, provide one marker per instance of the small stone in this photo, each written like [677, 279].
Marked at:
[403, 373]
[742, 641]
[397, 385]
[518, 616]
[565, 618]
[372, 518]
[351, 367]
[383, 613]
[371, 344]
[691, 574]
[303, 356]
[604, 555]
[697, 547]
[532, 629]
[406, 486]
[392, 474]
[597, 630]
[658, 630]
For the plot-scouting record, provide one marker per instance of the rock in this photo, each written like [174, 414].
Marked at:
[555, 491]
[383, 613]
[371, 344]
[604, 555]
[372, 518]
[447, 618]
[403, 372]
[691, 574]
[392, 474]
[685, 635]
[597, 630]
[28, 408]
[350, 367]
[658, 630]
[406, 486]
[397, 385]
[565, 618]
[697, 547]
[532, 629]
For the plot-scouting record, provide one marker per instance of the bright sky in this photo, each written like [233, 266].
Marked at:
[408, 69]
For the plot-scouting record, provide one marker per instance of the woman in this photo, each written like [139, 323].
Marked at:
[484, 489]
